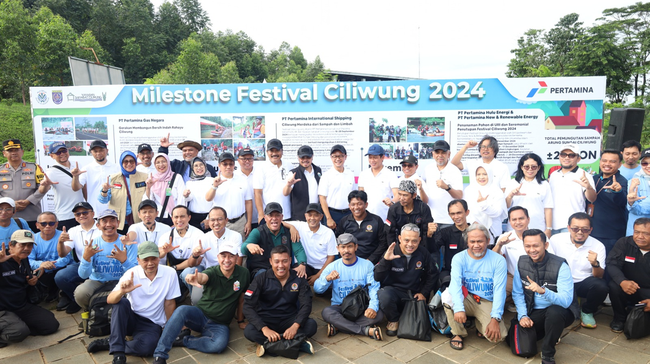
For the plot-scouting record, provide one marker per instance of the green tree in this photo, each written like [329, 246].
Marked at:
[229, 73]
[561, 40]
[55, 43]
[530, 54]
[76, 12]
[86, 41]
[193, 66]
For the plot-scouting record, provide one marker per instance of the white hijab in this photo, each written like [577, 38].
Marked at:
[491, 212]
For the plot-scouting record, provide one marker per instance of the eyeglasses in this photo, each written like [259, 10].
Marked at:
[61, 151]
[338, 156]
[46, 223]
[218, 219]
[410, 227]
[530, 167]
[580, 230]
[228, 164]
[484, 147]
[568, 155]
[246, 159]
[406, 165]
[128, 161]
[7, 209]
[645, 164]
[81, 213]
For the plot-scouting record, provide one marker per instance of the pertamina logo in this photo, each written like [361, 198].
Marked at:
[538, 90]
[559, 90]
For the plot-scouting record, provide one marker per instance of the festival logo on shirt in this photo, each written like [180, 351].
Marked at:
[369, 228]
[418, 265]
[418, 220]
[294, 287]
[236, 286]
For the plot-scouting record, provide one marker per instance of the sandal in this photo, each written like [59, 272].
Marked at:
[478, 333]
[376, 333]
[331, 330]
[460, 345]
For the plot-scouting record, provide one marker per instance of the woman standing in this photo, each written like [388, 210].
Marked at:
[485, 200]
[165, 188]
[195, 189]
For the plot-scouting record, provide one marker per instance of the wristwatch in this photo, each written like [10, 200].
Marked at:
[597, 265]
[448, 188]
[498, 319]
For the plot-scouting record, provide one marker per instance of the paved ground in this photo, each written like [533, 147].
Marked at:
[578, 346]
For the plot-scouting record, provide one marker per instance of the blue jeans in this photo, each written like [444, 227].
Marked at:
[125, 322]
[195, 292]
[214, 337]
[67, 279]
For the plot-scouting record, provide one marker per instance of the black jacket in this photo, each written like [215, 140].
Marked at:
[13, 284]
[418, 275]
[300, 192]
[180, 166]
[255, 262]
[626, 262]
[371, 235]
[420, 216]
[452, 240]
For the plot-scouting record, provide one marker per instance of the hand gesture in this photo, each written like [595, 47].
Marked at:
[533, 286]
[418, 184]
[460, 317]
[592, 257]
[583, 181]
[634, 182]
[89, 251]
[217, 181]
[198, 250]
[164, 142]
[3, 254]
[419, 296]
[64, 236]
[615, 186]
[301, 270]
[118, 254]
[441, 184]
[332, 276]
[187, 193]
[506, 238]
[76, 171]
[193, 279]
[633, 195]
[150, 181]
[168, 247]
[270, 334]
[516, 191]
[128, 286]
[432, 227]
[331, 223]
[255, 249]
[292, 179]
[481, 198]
[47, 182]
[387, 201]
[32, 280]
[389, 255]
[22, 204]
[370, 313]
[526, 322]
[295, 235]
[125, 241]
[290, 332]
[47, 265]
[629, 287]
[107, 186]
[471, 144]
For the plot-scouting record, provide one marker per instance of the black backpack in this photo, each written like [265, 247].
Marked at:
[99, 320]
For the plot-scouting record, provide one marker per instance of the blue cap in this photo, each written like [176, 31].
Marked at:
[54, 147]
[107, 213]
[375, 149]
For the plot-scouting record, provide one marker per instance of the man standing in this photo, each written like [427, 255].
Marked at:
[145, 154]
[93, 176]
[631, 150]
[410, 168]
[143, 301]
[444, 183]
[483, 274]
[543, 292]
[19, 180]
[488, 149]
[378, 182]
[223, 293]
[270, 304]
[302, 186]
[61, 174]
[334, 187]
[246, 159]
[409, 210]
[610, 209]
[9, 223]
[570, 187]
[344, 275]
[628, 264]
[450, 238]
[270, 180]
[190, 150]
[368, 229]
[404, 268]
[586, 258]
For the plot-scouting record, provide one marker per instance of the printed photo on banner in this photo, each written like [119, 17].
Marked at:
[249, 127]
[402, 150]
[426, 150]
[215, 127]
[90, 128]
[383, 130]
[212, 148]
[425, 130]
[58, 128]
[257, 145]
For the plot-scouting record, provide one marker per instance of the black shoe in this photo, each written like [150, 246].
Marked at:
[64, 303]
[53, 296]
[617, 326]
[73, 307]
[99, 345]
[159, 360]
[179, 339]
[119, 359]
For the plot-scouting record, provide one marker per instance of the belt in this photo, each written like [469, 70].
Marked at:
[232, 221]
[340, 211]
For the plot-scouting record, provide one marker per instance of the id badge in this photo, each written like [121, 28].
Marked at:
[168, 191]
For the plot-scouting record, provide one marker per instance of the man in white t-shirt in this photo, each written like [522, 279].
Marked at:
[65, 198]
[143, 300]
[410, 169]
[379, 182]
[335, 186]
[570, 187]
[271, 179]
[444, 183]
[95, 175]
[488, 149]
[586, 258]
[145, 155]
[147, 229]
[246, 159]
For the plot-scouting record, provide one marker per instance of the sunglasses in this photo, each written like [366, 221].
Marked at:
[128, 161]
[46, 223]
[61, 151]
[645, 164]
[580, 230]
[81, 213]
[569, 155]
[530, 168]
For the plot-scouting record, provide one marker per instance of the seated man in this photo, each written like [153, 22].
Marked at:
[543, 292]
[18, 317]
[261, 240]
[223, 293]
[147, 229]
[8, 222]
[44, 255]
[103, 261]
[409, 209]
[368, 228]
[586, 258]
[451, 239]
[143, 301]
[403, 268]
[627, 264]
[481, 273]
[275, 312]
[344, 275]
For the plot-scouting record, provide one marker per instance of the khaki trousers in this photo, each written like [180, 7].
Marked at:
[482, 314]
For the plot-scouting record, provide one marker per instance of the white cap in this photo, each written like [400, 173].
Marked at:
[8, 200]
[228, 248]
[572, 147]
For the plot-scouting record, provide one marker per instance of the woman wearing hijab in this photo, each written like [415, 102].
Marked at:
[165, 188]
[195, 189]
[638, 192]
[123, 191]
[485, 200]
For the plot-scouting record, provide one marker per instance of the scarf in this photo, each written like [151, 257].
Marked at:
[198, 177]
[161, 182]
[125, 154]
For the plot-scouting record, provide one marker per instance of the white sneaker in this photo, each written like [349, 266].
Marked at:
[607, 302]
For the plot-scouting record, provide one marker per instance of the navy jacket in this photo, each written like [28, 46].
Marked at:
[300, 192]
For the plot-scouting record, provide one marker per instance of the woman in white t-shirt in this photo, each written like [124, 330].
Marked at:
[195, 189]
[530, 189]
[485, 200]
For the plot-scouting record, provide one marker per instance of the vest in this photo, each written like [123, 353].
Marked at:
[256, 262]
[119, 196]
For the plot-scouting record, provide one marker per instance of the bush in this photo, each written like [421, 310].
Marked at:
[16, 123]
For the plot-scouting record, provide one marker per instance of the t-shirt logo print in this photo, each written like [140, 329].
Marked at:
[236, 286]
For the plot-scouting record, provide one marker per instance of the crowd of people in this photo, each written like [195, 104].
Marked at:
[255, 243]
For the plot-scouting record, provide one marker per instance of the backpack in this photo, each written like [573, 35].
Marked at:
[99, 320]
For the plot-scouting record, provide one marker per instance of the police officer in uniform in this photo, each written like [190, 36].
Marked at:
[20, 180]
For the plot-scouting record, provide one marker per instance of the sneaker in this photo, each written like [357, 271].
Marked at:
[511, 307]
[607, 302]
[178, 342]
[391, 328]
[99, 345]
[64, 303]
[73, 307]
[307, 347]
[588, 320]
[260, 350]
[159, 360]
[51, 297]
[616, 326]
[119, 359]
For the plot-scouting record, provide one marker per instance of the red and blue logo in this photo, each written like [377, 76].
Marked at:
[538, 90]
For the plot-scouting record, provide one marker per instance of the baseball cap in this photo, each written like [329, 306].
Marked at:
[272, 207]
[340, 148]
[274, 144]
[11, 144]
[409, 159]
[441, 145]
[8, 200]
[146, 203]
[228, 248]
[246, 151]
[572, 147]
[148, 249]
[305, 151]
[144, 146]
[644, 154]
[54, 147]
[226, 156]
[314, 207]
[375, 149]
[82, 204]
[345, 239]
[23, 236]
[407, 185]
[97, 143]
[107, 213]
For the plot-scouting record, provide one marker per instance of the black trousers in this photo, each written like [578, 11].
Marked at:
[253, 334]
[620, 300]
[125, 322]
[594, 291]
[548, 324]
[391, 302]
[28, 320]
